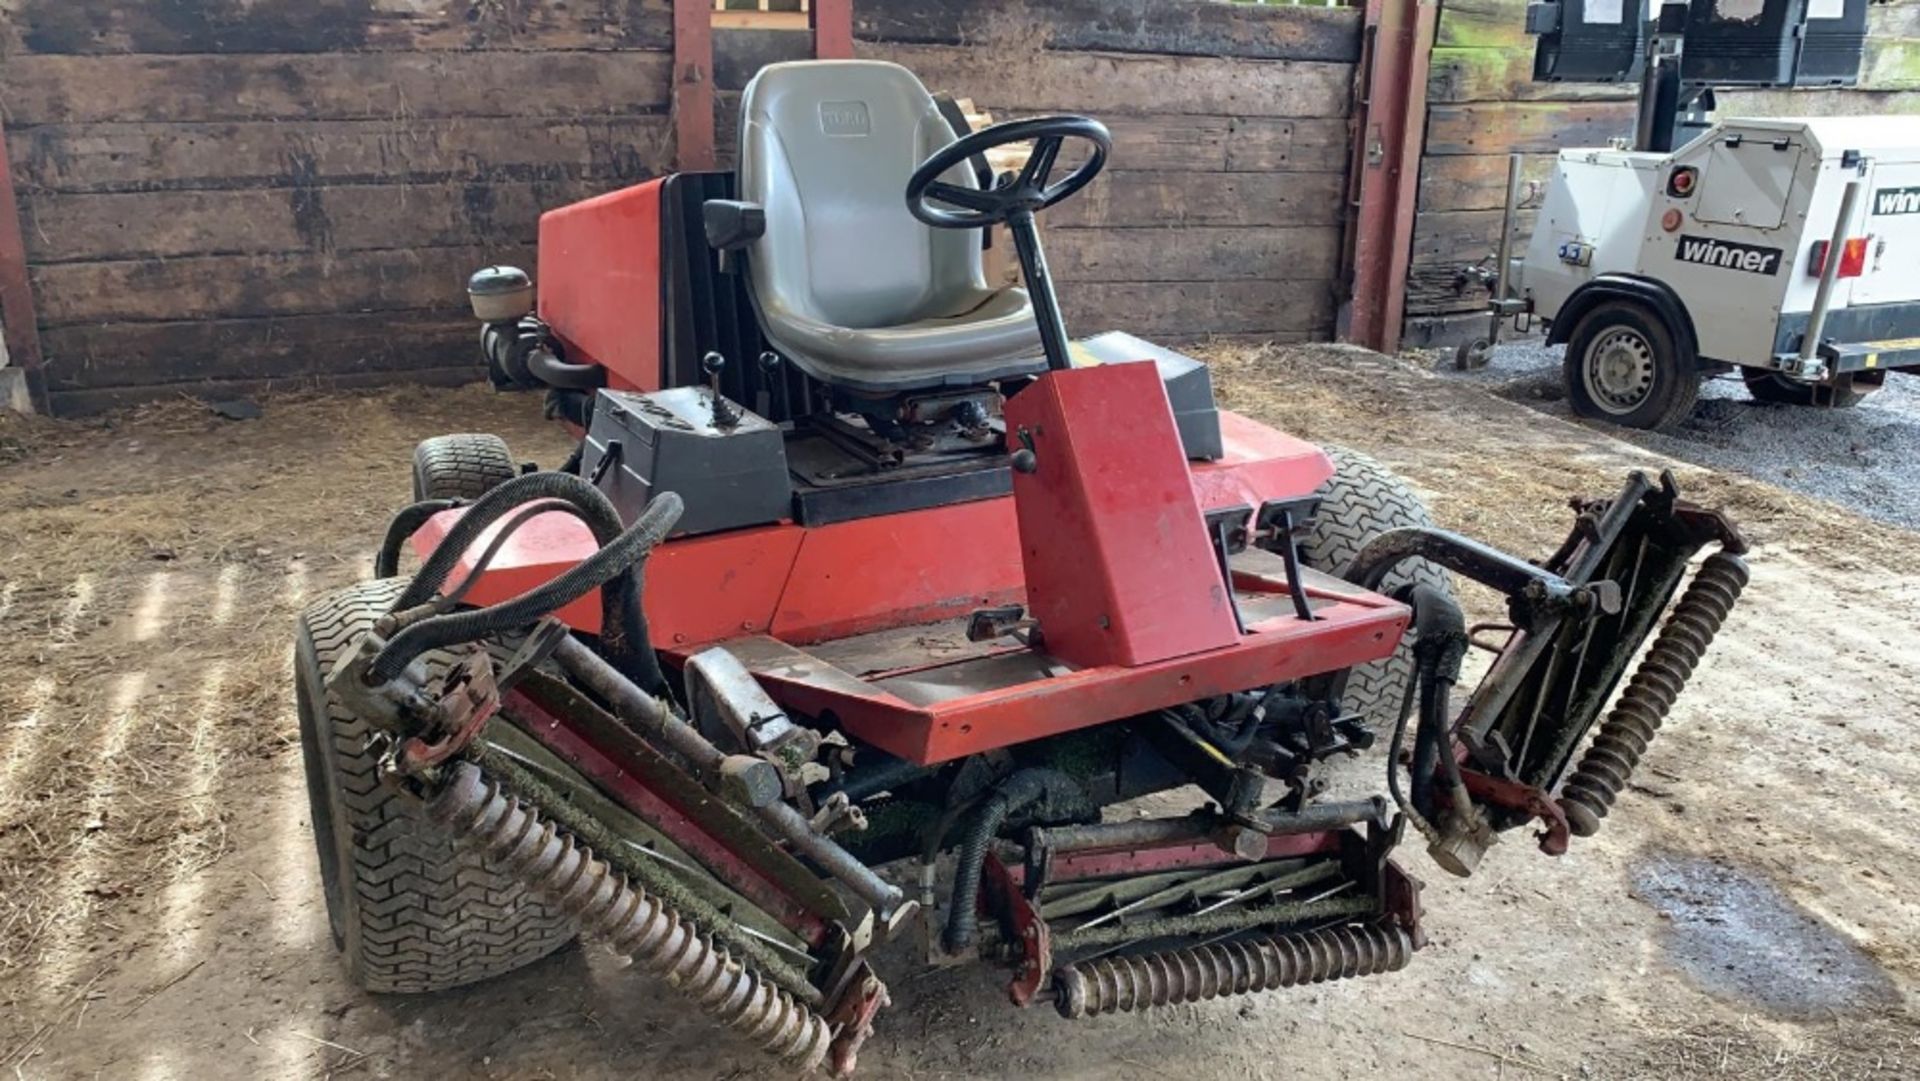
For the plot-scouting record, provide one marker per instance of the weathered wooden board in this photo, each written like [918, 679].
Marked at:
[1482, 24]
[1217, 144]
[1127, 199]
[1479, 181]
[331, 86]
[1447, 242]
[64, 228]
[163, 157]
[1258, 145]
[739, 54]
[1442, 290]
[205, 287]
[1192, 254]
[1506, 74]
[134, 354]
[1184, 27]
[78, 403]
[319, 26]
[1463, 236]
[1195, 309]
[1105, 84]
[1527, 127]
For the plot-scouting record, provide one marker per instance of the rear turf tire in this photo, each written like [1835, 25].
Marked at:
[1625, 365]
[1776, 389]
[1362, 500]
[410, 911]
[465, 466]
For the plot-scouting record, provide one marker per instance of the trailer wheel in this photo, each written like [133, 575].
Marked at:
[1625, 364]
[1845, 393]
[1359, 502]
[410, 911]
[465, 466]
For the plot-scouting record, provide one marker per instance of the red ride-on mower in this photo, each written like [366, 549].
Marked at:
[928, 584]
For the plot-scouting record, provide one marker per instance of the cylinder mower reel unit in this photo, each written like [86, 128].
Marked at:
[865, 568]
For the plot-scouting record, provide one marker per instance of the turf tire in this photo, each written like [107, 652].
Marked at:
[465, 466]
[1359, 502]
[409, 910]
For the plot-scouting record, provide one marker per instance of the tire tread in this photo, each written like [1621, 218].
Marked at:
[1362, 500]
[421, 913]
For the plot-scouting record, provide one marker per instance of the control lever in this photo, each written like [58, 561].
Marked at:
[724, 414]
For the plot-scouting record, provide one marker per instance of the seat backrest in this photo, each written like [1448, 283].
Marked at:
[827, 147]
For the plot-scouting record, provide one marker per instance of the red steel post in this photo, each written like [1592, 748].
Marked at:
[693, 84]
[1388, 133]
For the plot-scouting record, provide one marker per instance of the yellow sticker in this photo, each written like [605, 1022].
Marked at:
[1873, 360]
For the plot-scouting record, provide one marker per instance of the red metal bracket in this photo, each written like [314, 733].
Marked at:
[1029, 930]
[1525, 798]
[1387, 135]
[692, 94]
[469, 700]
[852, 1019]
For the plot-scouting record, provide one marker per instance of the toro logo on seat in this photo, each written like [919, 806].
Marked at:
[1725, 253]
[845, 118]
[1896, 201]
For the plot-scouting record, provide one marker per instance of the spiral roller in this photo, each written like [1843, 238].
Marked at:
[1121, 984]
[602, 902]
[1662, 675]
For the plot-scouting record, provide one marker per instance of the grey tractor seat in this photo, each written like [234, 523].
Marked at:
[849, 285]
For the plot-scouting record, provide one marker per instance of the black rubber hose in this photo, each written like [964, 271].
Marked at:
[545, 365]
[1439, 647]
[596, 509]
[623, 623]
[611, 561]
[404, 525]
[1057, 794]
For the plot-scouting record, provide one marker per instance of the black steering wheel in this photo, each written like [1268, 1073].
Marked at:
[1024, 194]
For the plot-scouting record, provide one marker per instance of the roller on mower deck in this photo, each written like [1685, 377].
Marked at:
[926, 586]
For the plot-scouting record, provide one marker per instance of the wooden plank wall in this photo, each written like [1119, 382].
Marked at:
[226, 193]
[1484, 105]
[222, 193]
[1220, 211]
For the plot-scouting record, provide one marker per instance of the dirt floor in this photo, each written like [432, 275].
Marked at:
[1748, 911]
[1860, 457]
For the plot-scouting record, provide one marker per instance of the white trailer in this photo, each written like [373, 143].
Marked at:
[1658, 268]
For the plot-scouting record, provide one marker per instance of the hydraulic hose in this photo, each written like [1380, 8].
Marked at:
[1053, 790]
[545, 365]
[623, 623]
[611, 561]
[404, 525]
[1439, 646]
[596, 509]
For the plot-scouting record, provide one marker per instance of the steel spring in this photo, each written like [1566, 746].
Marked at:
[1118, 984]
[1635, 718]
[602, 902]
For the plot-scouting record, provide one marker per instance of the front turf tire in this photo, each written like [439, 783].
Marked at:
[1625, 365]
[409, 910]
[465, 466]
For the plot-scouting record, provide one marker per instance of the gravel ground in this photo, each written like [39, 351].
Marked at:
[1860, 458]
